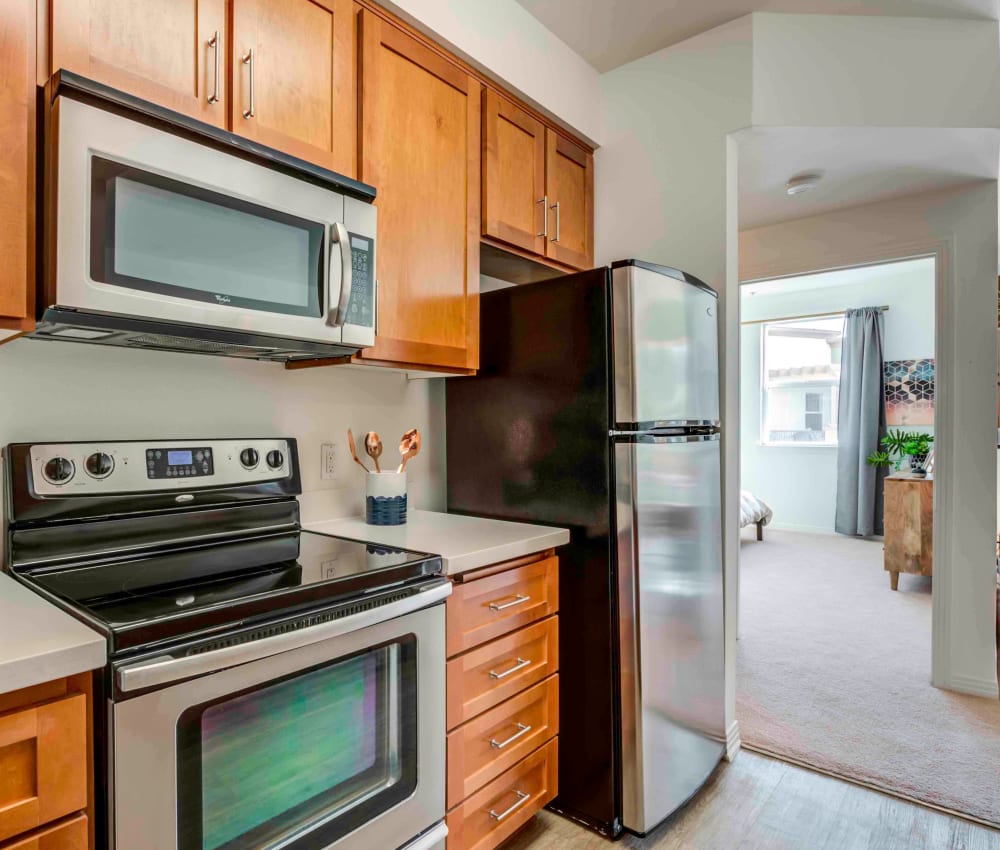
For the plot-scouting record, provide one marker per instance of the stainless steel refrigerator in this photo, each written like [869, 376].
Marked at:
[596, 408]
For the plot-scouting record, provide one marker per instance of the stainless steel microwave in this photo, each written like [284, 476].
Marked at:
[163, 232]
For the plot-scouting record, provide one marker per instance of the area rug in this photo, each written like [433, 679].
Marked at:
[833, 671]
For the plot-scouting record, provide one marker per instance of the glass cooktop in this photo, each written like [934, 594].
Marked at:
[186, 592]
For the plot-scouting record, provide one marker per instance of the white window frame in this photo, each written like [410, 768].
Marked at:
[764, 430]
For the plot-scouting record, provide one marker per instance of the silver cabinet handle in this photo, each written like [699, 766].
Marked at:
[248, 60]
[336, 316]
[213, 42]
[522, 798]
[522, 730]
[555, 207]
[519, 599]
[521, 664]
[544, 201]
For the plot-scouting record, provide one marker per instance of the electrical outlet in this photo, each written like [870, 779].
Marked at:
[328, 462]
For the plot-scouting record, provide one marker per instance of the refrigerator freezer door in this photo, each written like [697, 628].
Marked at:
[665, 340]
[669, 547]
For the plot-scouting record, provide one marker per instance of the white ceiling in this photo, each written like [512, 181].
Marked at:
[609, 33]
[860, 166]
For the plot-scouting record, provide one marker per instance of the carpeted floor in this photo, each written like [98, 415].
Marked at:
[833, 671]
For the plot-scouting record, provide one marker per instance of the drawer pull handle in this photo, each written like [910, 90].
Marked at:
[522, 730]
[518, 599]
[522, 798]
[521, 664]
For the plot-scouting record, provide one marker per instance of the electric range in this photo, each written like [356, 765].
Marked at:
[300, 674]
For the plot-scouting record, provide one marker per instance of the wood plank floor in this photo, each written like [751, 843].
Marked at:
[758, 803]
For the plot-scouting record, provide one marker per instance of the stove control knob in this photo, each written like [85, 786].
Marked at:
[100, 465]
[58, 470]
[249, 458]
[275, 459]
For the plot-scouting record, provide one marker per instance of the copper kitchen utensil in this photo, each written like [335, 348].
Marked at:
[354, 451]
[409, 446]
[373, 447]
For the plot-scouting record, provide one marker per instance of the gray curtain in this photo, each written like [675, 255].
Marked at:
[860, 424]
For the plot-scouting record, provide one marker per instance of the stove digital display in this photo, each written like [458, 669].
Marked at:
[179, 463]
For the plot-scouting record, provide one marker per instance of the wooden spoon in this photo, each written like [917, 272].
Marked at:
[373, 446]
[409, 446]
[354, 451]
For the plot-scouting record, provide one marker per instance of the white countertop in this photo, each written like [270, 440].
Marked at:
[39, 642]
[464, 543]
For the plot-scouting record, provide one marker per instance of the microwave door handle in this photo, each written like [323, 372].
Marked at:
[337, 315]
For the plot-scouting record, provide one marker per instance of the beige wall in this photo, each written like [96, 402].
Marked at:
[66, 391]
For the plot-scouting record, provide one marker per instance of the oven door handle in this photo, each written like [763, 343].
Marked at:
[165, 669]
[337, 316]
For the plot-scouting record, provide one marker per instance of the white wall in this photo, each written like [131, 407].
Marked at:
[665, 191]
[961, 224]
[800, 482]
[505, 42]
[66, 391]
[843, 70]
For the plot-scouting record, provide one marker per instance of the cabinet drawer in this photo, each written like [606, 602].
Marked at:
[487, 676]
[68, 835]
[43, 764]
[483, 609]
[507, 803]
[482, 749]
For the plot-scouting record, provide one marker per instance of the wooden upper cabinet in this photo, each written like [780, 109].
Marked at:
[17, 163]
[420, 148]
[569, 173]
[514, 204]
[170, 52]
[538, 186]
[294, 85]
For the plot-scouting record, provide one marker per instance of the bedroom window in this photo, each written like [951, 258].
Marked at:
[800, 381]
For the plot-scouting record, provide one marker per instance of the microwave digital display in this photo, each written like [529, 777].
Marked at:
[361, 307]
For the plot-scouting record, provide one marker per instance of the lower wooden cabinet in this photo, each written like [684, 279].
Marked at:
[503, 699]
[482, 749]
[497, 811]
[69, 834]
[46, 762]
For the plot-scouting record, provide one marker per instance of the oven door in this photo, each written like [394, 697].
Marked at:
[331, 735]
[154, 225]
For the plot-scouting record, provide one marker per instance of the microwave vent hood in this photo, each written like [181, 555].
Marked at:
[60, 324]
[323, 227]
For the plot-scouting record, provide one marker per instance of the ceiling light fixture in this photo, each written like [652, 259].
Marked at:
[803, 183]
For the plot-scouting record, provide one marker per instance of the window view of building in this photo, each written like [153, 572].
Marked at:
[801, 363]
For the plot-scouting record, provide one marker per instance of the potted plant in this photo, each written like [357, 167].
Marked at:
[897, 444]
[917, 450]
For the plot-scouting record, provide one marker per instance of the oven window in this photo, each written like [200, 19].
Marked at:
[311, 757]
[155, 234]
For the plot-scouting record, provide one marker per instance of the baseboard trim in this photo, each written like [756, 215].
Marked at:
[733, 743]
[971, 685]
[871, 786]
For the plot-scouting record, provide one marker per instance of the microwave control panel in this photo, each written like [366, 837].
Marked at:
[361, 308]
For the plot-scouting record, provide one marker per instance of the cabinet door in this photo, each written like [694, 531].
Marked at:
[67, 835]
[420, 136]
[17, 163]
[44, 773]
[170, 52]
[569, 173]
[293, 78]
[514, 205]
